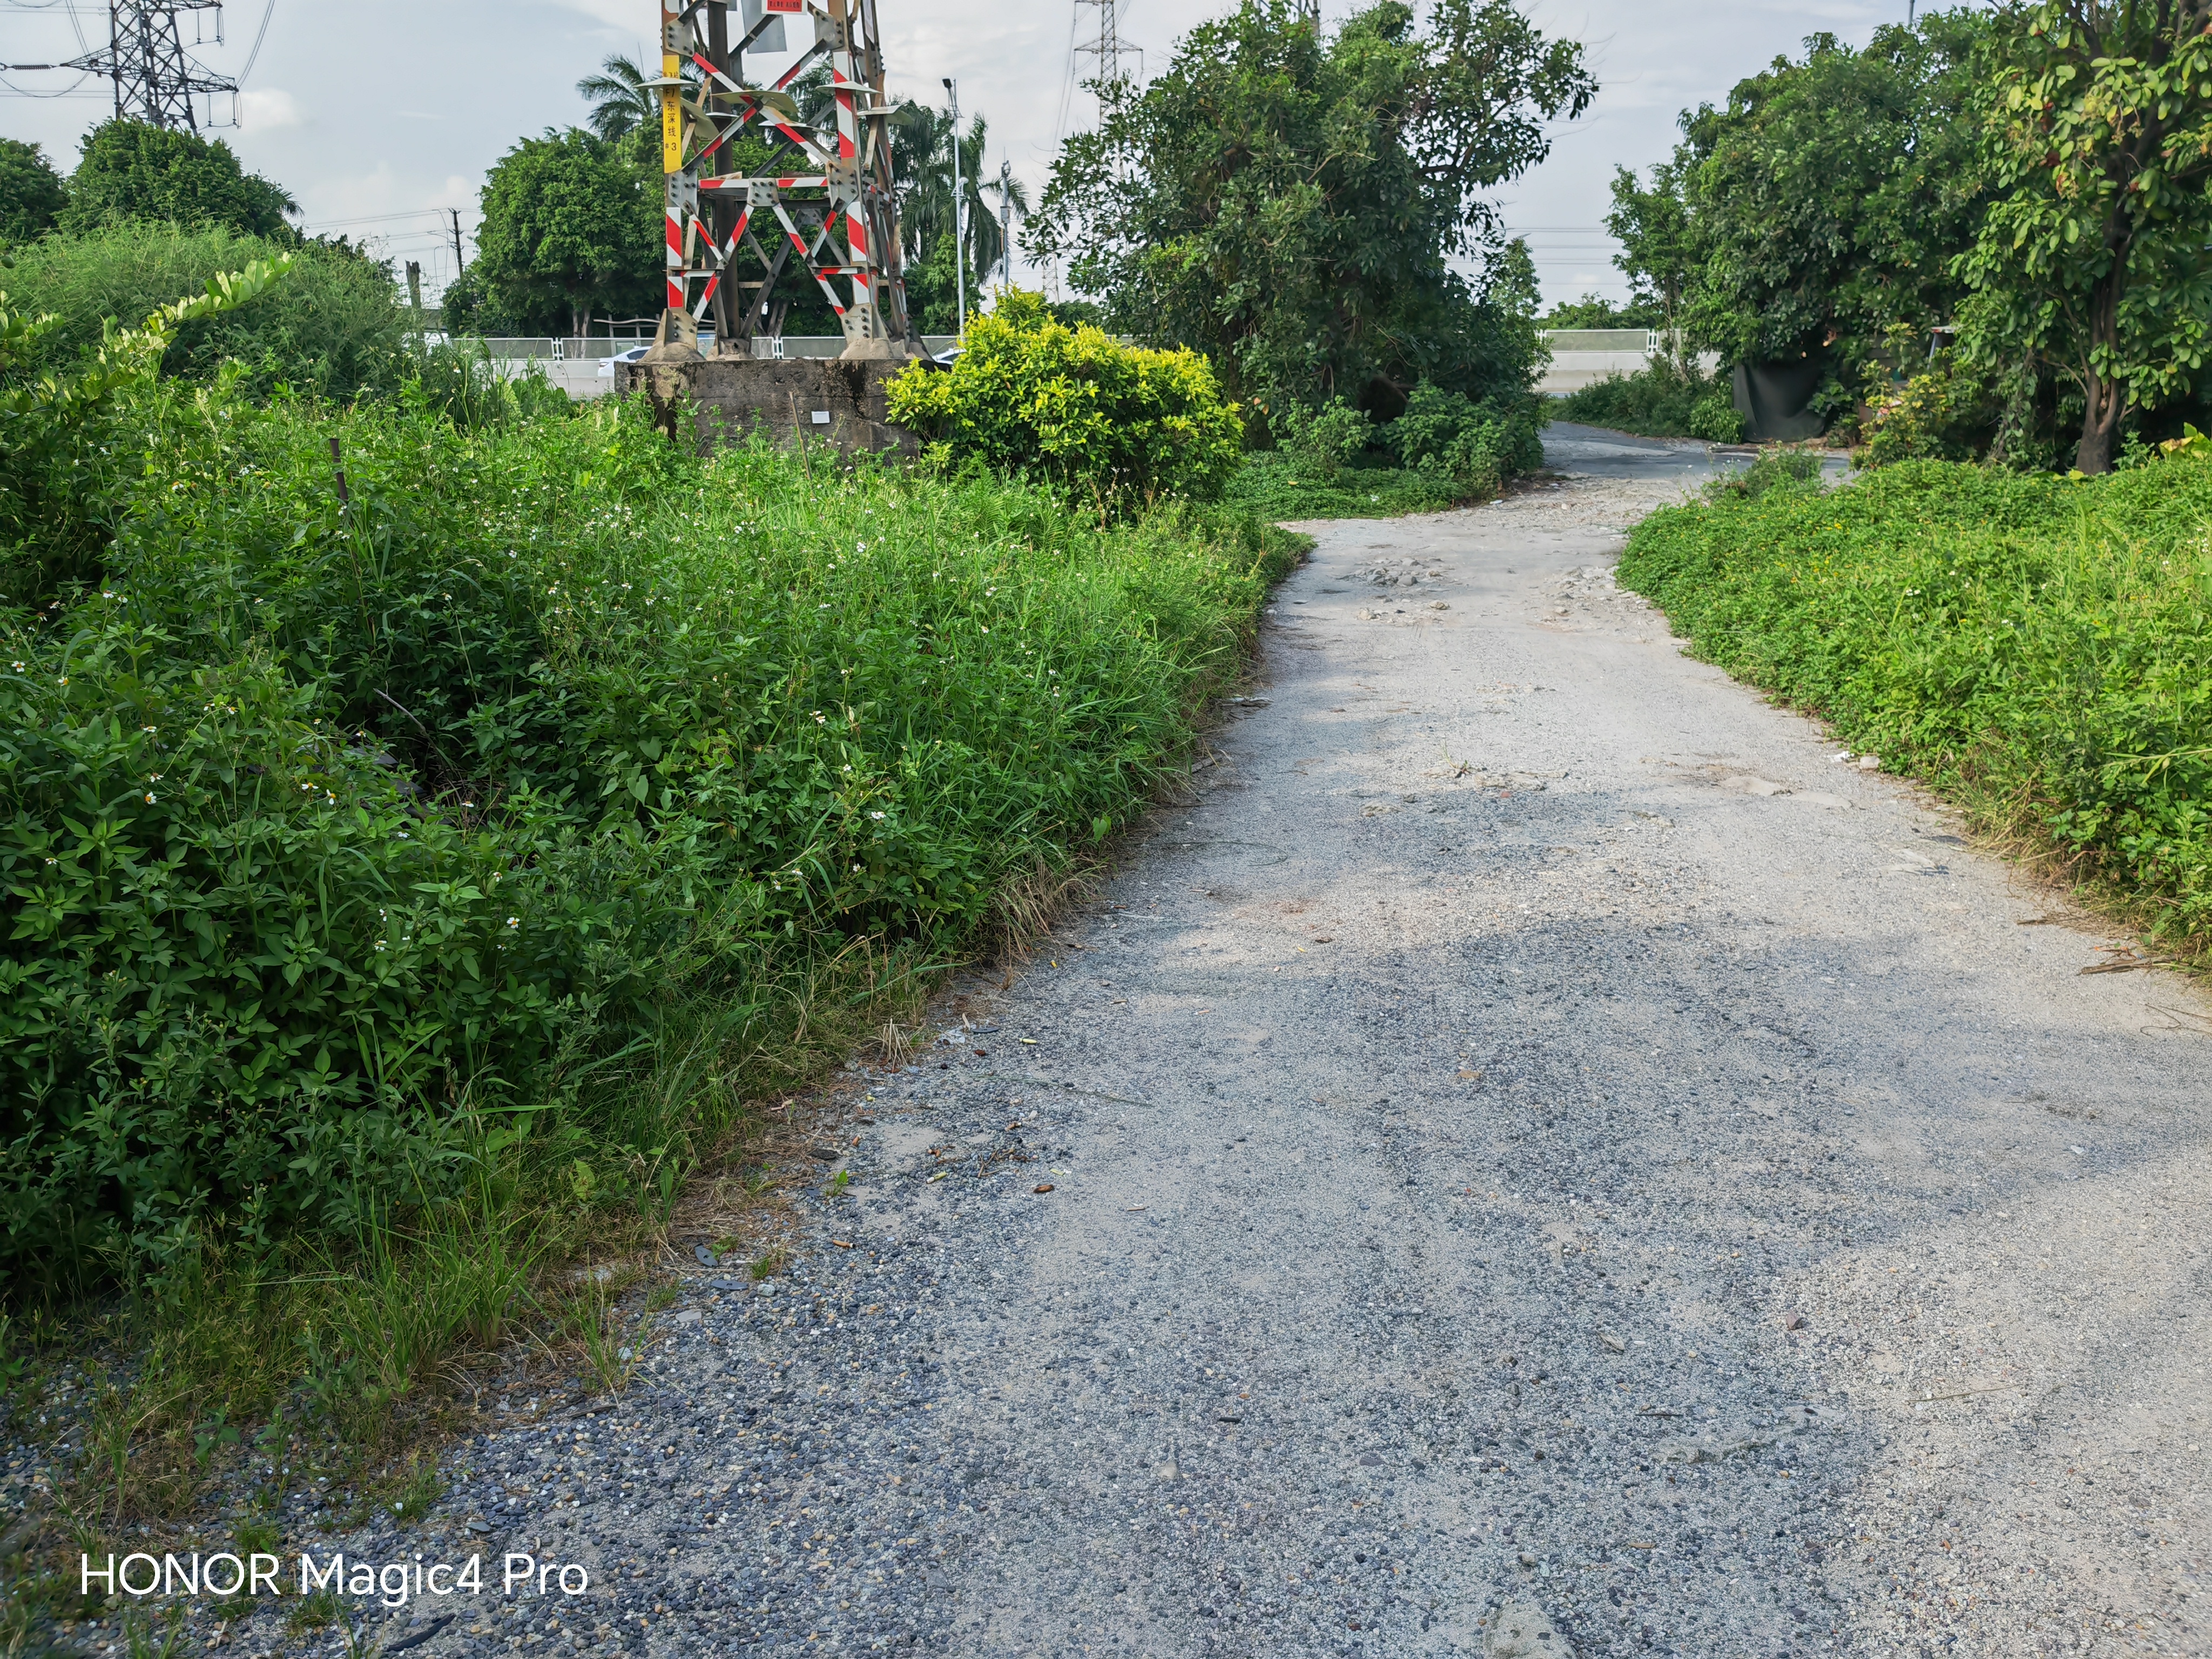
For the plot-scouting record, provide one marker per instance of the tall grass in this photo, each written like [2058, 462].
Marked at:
[407, 886]
[2040, 647]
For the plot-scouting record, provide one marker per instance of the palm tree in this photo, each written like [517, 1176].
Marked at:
[921, 170]
[621, 102]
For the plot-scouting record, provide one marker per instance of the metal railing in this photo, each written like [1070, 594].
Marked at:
[1649, 341]
[571, 348]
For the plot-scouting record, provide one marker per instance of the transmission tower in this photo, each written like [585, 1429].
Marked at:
[155, 79]
[1105, 45]
[828, 209]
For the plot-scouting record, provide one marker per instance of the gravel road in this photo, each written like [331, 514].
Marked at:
[1543, 1158]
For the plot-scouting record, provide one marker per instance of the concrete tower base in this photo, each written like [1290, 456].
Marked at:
[838, 401]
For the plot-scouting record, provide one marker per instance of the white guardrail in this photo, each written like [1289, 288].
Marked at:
[582, 365]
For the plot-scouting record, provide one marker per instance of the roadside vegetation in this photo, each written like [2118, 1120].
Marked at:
[1983, 234]
[430, 825]
[1665, 400]
[2037, 648]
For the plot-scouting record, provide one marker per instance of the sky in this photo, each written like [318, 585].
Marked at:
[378, 117]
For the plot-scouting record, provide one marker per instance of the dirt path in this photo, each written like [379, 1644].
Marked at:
[1544, 1159]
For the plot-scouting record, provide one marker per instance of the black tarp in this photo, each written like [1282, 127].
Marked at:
[1771, 397]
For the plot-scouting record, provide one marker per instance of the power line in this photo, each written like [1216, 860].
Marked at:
[380, 218]
[70, 91]
[259, 35]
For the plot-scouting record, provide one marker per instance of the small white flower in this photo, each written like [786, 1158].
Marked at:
[514, 922]
[876, 816]
[149, 800]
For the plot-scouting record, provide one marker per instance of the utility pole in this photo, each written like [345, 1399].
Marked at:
[1006, 223]
[959, 214]
[460, 264]
[155, 79]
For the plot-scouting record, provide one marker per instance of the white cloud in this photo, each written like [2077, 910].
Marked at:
[269, 109]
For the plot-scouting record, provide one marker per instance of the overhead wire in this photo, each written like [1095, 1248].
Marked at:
[259, 35]
[70, 91]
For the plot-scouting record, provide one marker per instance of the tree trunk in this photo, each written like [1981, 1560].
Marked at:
[2106, 398]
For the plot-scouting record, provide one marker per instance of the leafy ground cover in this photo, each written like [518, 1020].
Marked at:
[2038, 648]
[419, 841]
[1279, 485]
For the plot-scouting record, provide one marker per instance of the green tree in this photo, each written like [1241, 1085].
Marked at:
[572, 226]
[1823, 202]
[1652, 225]
[1290, 204]
[133, 170]
[2097, 250]
[32, 195]
[1596, 311]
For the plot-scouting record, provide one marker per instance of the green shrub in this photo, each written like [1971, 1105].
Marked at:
[1664, 400]
[1714, 418]
[1775, 469]
[68, 460]
[1275, 485]
[2039, 647]
[337, 329]
[1477, 445]
[136, 170]
[32, 195]
[324, 826]
[1107, 424]
[1323, 441]
[1944, 414]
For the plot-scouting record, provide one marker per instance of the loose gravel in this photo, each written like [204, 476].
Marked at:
[1539, 1156]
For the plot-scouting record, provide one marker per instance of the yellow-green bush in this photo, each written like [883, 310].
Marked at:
[1106, 424]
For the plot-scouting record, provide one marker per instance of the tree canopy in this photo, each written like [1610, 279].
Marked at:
[1301, 205]
[1820, 205]
[32, 194]
[572, 227]
[135, 170]
[2097, 251]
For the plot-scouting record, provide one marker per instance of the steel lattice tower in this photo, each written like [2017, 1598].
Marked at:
[155, 79]
[833, 209]
[1106, 45]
